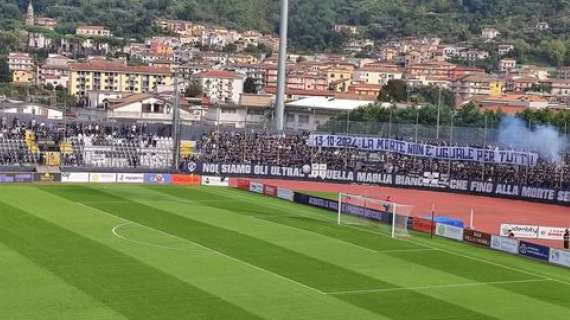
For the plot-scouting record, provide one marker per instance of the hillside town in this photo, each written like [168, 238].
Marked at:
[229, 77]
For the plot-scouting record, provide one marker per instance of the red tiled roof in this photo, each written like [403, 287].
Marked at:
[218, 74]
[116, 67]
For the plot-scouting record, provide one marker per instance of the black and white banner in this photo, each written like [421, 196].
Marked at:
[397, 180]
[424, 150]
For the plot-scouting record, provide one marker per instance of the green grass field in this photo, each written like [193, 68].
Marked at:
[151, 252]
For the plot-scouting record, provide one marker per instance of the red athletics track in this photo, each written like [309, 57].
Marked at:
[489, 213]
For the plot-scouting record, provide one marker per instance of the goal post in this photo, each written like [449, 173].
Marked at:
[361, 210]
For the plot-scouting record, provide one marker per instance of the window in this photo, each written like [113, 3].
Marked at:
[290, 117]
[146, 107]
[304, 119]
[229, 111]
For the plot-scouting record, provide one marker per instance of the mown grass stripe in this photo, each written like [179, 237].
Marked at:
[301, 268]
[124, 284]
[470, 269]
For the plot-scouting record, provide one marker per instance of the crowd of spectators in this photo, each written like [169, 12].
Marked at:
[257, 148]
[293, 150]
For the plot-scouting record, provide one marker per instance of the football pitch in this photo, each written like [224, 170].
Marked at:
[165, 252]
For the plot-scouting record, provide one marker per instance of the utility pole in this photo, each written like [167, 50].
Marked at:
[282, 70]
[175, 125]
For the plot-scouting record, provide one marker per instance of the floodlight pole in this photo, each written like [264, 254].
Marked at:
[176, 125]
[282, 69]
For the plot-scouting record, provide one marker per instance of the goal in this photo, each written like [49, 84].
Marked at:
[360, 210]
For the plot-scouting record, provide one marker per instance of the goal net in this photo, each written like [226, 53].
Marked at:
[362, 210]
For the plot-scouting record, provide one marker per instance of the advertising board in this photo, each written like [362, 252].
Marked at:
[47, 177]
[559, 257]
[157, 178]
[256, 187]
[16, 177]
[422, 225]
[477, 237]
[134, 178]
[533, 250]
[505, 244]
[270, 191]
[102, 177]
[186, 180]
[75, 177]
[551, 233]
[242, 184]
[285, 194]
[215, 181]
[448, 231]
[520, 230]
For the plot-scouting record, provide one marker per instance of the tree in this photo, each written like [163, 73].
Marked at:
[394, 91]
[555, 51]
[230, 48]
[249, 86]
[5, 74]
[194, 90]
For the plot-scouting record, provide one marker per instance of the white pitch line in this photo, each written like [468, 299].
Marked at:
[452, 252]
[458, 285]
[211, 250]
[116, 233]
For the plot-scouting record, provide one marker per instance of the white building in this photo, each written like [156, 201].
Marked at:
[507, 64]
[220, 86]
[310, 113]
[32, 109]
[20, 61]
[93, 31]
[378, 74]
[147, 107]
[490, 33]
[252, 111]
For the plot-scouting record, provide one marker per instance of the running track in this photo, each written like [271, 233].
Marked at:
[489, 213]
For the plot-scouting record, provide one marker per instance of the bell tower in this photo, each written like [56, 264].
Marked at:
[30, 19]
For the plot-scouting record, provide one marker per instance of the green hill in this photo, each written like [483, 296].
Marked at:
[311, 20]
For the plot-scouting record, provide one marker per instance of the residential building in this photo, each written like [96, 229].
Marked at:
[511, 103]
[22, 67]
[364, 89]
[506, 65]
[564, 73]
[46, 23]
[307, 80]
[559, 87]
[490, 33]
[220, 86]
[476, 84]
[252, 71]
[357, 45]
[339, 76]
[174, 26]
[542, 26]
[102, 75]
[378, 74]
[38, 40]
[93, 31]
[55, 71]
[473, 54]
[342, 28]
[504, 49]
[521, 84]
[431, 69]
